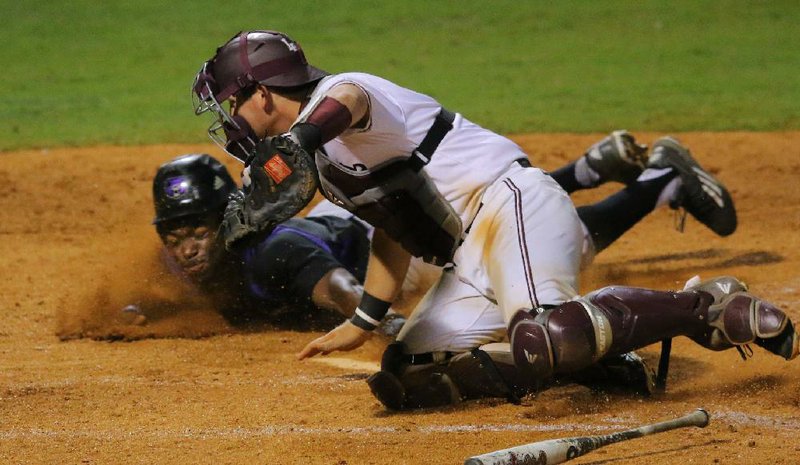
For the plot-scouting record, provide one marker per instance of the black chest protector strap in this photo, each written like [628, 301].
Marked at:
[442, 124]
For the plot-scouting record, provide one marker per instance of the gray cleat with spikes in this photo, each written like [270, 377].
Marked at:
[617, 157]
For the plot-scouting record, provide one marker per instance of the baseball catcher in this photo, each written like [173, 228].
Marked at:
[511, 243]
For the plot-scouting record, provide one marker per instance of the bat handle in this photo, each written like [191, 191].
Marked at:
[699, 418]
[702, 417]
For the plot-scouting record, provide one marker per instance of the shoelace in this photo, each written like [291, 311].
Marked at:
[745, 351]
[679, 219]
[679, 211]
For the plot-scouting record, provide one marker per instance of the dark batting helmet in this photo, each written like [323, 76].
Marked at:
[256, 57]
[190, 185]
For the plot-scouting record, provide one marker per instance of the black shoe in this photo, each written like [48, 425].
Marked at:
[626, 373]
[630, 372]
[387, 389]
[701, 194]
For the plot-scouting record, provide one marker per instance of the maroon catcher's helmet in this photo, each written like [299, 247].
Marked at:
[256, 57]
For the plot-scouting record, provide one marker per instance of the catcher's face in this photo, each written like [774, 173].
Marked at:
[193, 249]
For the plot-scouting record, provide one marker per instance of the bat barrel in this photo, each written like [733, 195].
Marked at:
[556, 451]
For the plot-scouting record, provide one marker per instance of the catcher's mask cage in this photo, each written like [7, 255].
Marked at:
[191, 185]
[269, 58]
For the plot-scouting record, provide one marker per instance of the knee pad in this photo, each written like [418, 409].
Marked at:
[566, 338]
[531, 348]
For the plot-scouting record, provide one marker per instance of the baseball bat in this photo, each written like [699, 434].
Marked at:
[555, 451]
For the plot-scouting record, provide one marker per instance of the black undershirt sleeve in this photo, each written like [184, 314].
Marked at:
[289, 265]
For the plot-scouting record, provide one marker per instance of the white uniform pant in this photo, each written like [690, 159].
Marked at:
[524, 250]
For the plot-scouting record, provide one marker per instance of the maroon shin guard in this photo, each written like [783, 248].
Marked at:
[718, 314]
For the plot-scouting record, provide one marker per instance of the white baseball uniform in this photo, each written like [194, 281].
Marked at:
[523, 241]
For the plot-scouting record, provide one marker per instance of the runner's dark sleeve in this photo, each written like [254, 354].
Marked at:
[300, 252]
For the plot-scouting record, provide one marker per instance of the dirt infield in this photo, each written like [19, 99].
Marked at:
[77, 244]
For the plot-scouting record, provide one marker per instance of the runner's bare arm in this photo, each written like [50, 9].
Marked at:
[388, 264]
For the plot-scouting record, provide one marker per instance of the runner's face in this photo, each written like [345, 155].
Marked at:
[193, 249]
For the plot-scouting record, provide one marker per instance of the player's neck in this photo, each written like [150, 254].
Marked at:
[287, 111]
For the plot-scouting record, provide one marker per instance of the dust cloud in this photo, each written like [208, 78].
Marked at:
[137, 297]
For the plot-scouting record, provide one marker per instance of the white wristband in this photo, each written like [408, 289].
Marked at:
[367, 318]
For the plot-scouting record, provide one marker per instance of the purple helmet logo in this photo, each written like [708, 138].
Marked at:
[176, 187]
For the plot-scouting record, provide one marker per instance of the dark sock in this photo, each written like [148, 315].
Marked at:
[608, 219]
[565, 177]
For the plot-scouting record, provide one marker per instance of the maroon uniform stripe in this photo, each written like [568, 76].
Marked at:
[523, 246]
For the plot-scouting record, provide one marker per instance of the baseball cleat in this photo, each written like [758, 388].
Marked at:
[786, 344]
[737, 318]
[700, 194]
[626, 373]
[632, 370]
[388, 390]
[617, 157]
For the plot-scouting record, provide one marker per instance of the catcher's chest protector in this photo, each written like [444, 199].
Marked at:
[400, 200]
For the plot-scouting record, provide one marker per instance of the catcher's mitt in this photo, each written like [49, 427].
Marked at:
[280, 178]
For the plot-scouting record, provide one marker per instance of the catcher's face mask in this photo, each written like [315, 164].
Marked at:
[230, 132]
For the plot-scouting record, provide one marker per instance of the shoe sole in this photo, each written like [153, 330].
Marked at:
[630, 164]
[638, 160]
[795, 350]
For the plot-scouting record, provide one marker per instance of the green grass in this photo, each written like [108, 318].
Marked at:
[98, 72]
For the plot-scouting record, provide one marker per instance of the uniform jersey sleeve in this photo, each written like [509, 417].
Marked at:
[289, 265]
[385, 112]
